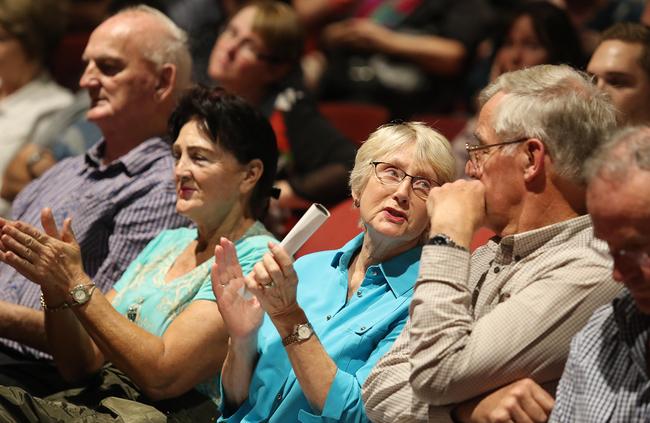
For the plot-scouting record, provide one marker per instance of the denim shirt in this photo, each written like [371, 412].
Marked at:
[355, 333]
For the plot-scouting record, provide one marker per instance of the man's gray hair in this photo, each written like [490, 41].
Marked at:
[170, 47]
[628, 149]
[558, 105]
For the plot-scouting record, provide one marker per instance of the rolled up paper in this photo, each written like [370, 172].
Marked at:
[313, 218]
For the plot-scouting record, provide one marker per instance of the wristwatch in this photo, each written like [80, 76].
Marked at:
[444, 239]
[301, 333]
[81, 293]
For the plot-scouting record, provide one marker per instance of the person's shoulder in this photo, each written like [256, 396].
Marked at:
[600, 326]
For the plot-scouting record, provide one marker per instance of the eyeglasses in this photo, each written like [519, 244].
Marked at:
[630, 258]
[389, 174]
[478, 154]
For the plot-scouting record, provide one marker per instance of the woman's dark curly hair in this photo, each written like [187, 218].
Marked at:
[235, 127]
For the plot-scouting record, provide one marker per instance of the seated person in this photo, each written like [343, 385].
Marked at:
[257, 57]
[119, 193]
[606, 378]
[538, 33]
[160, 324]
[302, 347]
[68, 134]
[29, 31]
[407, 55]
[621, 67]
[482, 321]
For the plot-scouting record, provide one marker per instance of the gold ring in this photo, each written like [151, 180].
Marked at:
[269, 285]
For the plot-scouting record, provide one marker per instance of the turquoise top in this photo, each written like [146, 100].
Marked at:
[145, 298]
[355, 333]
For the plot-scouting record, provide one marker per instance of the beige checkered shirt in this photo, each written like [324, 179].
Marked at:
[509, 315]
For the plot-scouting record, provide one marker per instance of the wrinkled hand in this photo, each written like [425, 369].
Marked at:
[457, 209]
[362, 34]
[51, 259]
[242, 317]
[523, 401]
[274, 282]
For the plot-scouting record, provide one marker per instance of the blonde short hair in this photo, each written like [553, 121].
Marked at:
[432, 152]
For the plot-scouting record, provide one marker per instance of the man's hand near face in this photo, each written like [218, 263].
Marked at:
[457, 209]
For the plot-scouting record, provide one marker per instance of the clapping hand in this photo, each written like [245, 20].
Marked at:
[242, 316]
[51, 259]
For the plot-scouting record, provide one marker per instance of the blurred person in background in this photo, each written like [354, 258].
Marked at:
[407, 55]
[621, 67]
[29, 97]
[538, 33]
[257, 57]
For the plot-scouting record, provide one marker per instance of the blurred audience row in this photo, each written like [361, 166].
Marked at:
[409, 57]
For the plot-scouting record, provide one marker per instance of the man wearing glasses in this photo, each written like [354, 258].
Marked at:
[495, 321]
[606, 376]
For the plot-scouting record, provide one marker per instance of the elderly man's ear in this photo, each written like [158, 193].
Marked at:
[535, 159]
[166, 82]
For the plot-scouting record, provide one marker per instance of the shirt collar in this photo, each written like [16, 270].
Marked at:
[400, 271]
[520, 245]
[135, 161]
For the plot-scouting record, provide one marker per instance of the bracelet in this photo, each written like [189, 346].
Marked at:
[57, 308]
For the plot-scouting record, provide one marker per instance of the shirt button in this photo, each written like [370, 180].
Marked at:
[329, 316]
[497, 270]
[362, 328]
[279, 397]
[359, 294]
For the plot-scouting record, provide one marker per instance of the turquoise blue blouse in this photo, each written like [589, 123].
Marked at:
[355, 333]
[145, 298]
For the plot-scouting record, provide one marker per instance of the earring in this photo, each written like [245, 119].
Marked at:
[356, 203]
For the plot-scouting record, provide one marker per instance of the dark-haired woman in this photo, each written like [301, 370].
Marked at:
[537, 33]
[160, 324]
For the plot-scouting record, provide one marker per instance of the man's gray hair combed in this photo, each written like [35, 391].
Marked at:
[558, 105]
[628, 149]
[171, 47]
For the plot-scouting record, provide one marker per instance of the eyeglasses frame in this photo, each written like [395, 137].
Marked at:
[374, 164]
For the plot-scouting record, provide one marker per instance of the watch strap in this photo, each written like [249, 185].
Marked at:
[445, 240]
[45, 307]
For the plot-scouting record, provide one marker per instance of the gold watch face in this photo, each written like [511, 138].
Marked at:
[80, 295]
[304, 332]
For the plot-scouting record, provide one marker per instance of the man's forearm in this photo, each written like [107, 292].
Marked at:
[23, 324]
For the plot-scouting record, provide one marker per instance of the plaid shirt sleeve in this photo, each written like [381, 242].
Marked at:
[134, 226]
[387, 394]
[455, 356]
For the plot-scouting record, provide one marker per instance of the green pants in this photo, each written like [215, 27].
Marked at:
[110, 397]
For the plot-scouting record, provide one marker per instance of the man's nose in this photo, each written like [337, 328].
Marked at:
[88, 78]
[471, 170]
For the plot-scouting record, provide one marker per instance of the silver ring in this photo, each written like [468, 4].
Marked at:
[269, 285]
